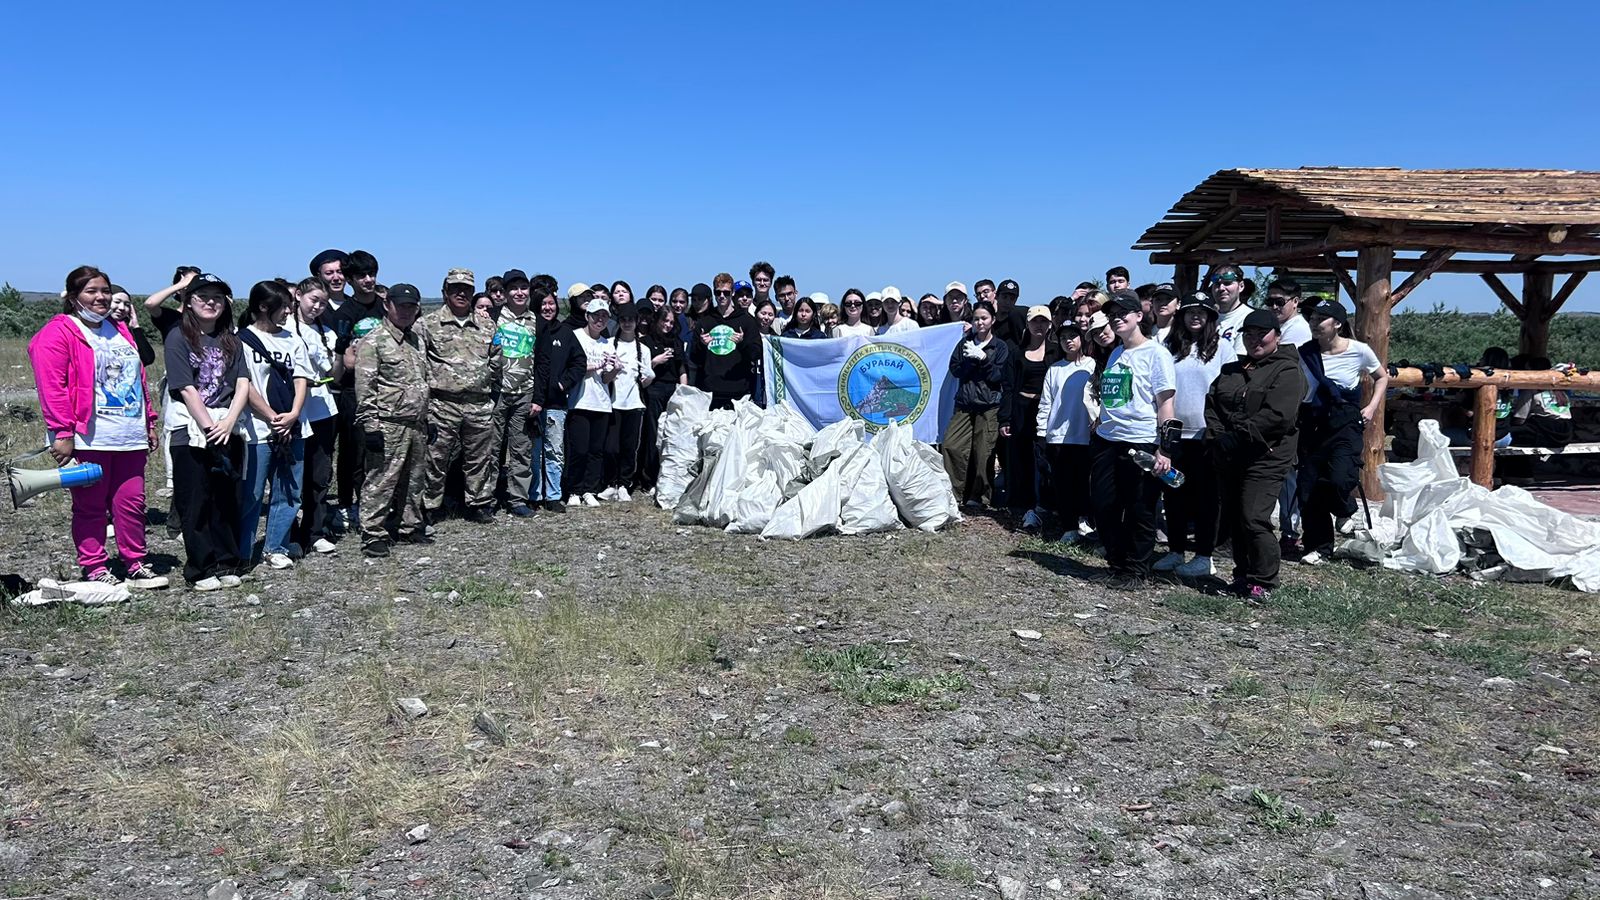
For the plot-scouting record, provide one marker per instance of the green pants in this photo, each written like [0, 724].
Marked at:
[396, 459]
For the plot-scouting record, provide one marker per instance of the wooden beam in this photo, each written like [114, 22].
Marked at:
[1534, 338]
[1373, 310]
[1255, 256]
[1567, 287]
[1269, 199]
[1504, 293]
[1454, 266]
[1348, 283]
[1209, 228]
[1549, 379]
[1463, 241]
[1431, 263]
[1274, 223]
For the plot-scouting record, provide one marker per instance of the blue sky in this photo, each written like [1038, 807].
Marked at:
[849, 144]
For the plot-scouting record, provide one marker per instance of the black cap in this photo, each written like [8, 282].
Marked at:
[404, 293]
[1265, 319]
[1008, 287]
[513, 275]
[1127, 300]
[1329, 309]
[1202, 299]
[701, 291]
[325, 257]
[629, 310]
[1165, 289]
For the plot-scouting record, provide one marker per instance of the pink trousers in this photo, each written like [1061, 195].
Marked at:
[119, 492]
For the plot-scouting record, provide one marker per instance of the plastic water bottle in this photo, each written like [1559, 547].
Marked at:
[1173, 478]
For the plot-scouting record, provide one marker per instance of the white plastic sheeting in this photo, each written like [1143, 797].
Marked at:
[770, 472]
[1434, 520]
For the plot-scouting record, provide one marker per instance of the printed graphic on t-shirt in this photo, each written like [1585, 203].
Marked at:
[1553, 403]
[208, 368]
[1502, 407]
[721, 340]
[365, 326]
[116, 379]
[1116, 387]
[514, 339]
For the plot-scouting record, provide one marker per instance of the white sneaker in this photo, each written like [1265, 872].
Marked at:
[1345, 525]
[1199, 567]
[230, 580]
[589, 500]
[1311, 559]
[280, 561]
[622, 496]
[609, 493]
[208, 584]
[1168, 563]
[575, 500]
[323, 545]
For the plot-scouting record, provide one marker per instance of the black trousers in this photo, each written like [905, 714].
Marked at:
[1124, 497]
[320, 446]
[205, 492]
[1069, 482]
[1024, 464]
[622, 448]
[586, 450]
[655, 403]
[1330, 468]
[1195, 503]
[1249, 493]
[352, 468]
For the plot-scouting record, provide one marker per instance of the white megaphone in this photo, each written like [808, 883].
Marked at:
[29, 483]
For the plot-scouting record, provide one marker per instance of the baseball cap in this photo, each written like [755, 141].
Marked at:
[874, 297]
[1330, 309]
[575, 289]
[700, 291]
[954, 286]
[892, 293]
[1164, 289]
[1126, 301]
[629, 310]
[460, 276]
[512, 275]
[742, 286]
[1008, 287]
[404, 293]
[596, 306]
[1038, 312]
[1098, 321]
[1201, 299]
[819, 298]
[1264, 319]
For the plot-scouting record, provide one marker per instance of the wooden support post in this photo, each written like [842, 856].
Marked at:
[1504, 293]
[1186, 278]
[1339, 272]
[1483, 436]
[1373, 269]
[1431, 261]
[1535, 337]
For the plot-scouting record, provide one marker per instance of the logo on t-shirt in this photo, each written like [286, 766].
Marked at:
[722, 342]
[514, 339]
[1116, 387]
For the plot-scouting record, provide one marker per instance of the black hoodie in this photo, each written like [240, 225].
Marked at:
[559, 363]
[728, 374]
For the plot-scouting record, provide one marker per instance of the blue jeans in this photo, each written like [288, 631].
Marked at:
[283, 464]
[550, 451]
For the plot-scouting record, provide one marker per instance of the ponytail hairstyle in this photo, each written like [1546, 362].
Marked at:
[211, 286]
[267, 298]
[77, 280]
[306, 286]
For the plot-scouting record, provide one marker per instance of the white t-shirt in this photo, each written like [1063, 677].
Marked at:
[319, 403]
[1230, 328]
[118, 421]
[900, 325]
[842, 330]
[290, 353]
[1128, 389]
[635, 357]
[1294, 332]
[1065, 414]
[1344, 368]
[1194, 383]
[593, 394]
[1163, 331]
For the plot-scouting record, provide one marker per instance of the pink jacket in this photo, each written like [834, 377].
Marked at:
[63, 372]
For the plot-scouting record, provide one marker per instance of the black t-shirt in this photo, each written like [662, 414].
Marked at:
[210, 371]
[164, 319]
[342, 323]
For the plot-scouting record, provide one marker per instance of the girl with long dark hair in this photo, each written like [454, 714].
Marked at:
[634, 374]
[1197, 361]
[979, 364]
[804, 324]
[1025, 463]
[319, 412]
[280, 375]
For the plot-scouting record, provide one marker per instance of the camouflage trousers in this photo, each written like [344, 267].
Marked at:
[465, 428]
[396, 455]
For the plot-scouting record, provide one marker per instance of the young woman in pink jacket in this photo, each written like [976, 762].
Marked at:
[97, 409]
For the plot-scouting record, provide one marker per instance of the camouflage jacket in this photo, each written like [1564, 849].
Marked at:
[392, 375]
[463, 357]
[515, 336]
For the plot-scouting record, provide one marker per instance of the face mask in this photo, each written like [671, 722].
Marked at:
[90, 316]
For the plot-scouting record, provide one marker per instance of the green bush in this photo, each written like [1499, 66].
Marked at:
[1451, 336]
[18, 317]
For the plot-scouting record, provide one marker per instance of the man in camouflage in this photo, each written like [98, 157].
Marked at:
[515, 337]
[391, 366]
[463, 362]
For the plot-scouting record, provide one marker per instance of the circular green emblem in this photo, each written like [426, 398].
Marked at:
[884, 382]
[721, 340]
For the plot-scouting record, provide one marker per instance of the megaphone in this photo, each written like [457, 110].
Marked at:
[29, 483]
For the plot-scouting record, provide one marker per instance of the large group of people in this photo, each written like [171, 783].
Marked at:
[336, 408]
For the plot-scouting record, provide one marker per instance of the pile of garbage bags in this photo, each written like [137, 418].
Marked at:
[1436, 521]
[750, 470]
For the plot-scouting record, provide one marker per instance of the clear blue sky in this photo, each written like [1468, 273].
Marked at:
[857, 144]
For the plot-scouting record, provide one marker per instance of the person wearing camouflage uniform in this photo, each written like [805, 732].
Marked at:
[391, 368]
[463, 362]
[514, 336]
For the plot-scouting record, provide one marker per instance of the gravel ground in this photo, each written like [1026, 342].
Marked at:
[620, 707]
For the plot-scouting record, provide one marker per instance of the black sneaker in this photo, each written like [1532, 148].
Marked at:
[375, 550]
[416, 537]
[523, 511]
[554, 506]
[480, 515]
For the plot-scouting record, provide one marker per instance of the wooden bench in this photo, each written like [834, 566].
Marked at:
[1543, 453]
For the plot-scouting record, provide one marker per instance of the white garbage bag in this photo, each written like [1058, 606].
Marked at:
[813, 510]
[752, 508]
[679, 446]
[918, 484]
[867, 506]
[834, 439]
[1430, 545]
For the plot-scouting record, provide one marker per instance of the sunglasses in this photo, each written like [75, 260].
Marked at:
[210, 300]
[724, 293]
[1279, 301]
[1225, 278]
[853, 303]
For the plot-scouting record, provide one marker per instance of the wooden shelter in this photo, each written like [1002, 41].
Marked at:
[1509, 221]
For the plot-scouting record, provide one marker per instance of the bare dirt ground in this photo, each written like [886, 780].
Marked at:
[620, 707]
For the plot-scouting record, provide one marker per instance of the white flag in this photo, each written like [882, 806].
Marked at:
[904, 377]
